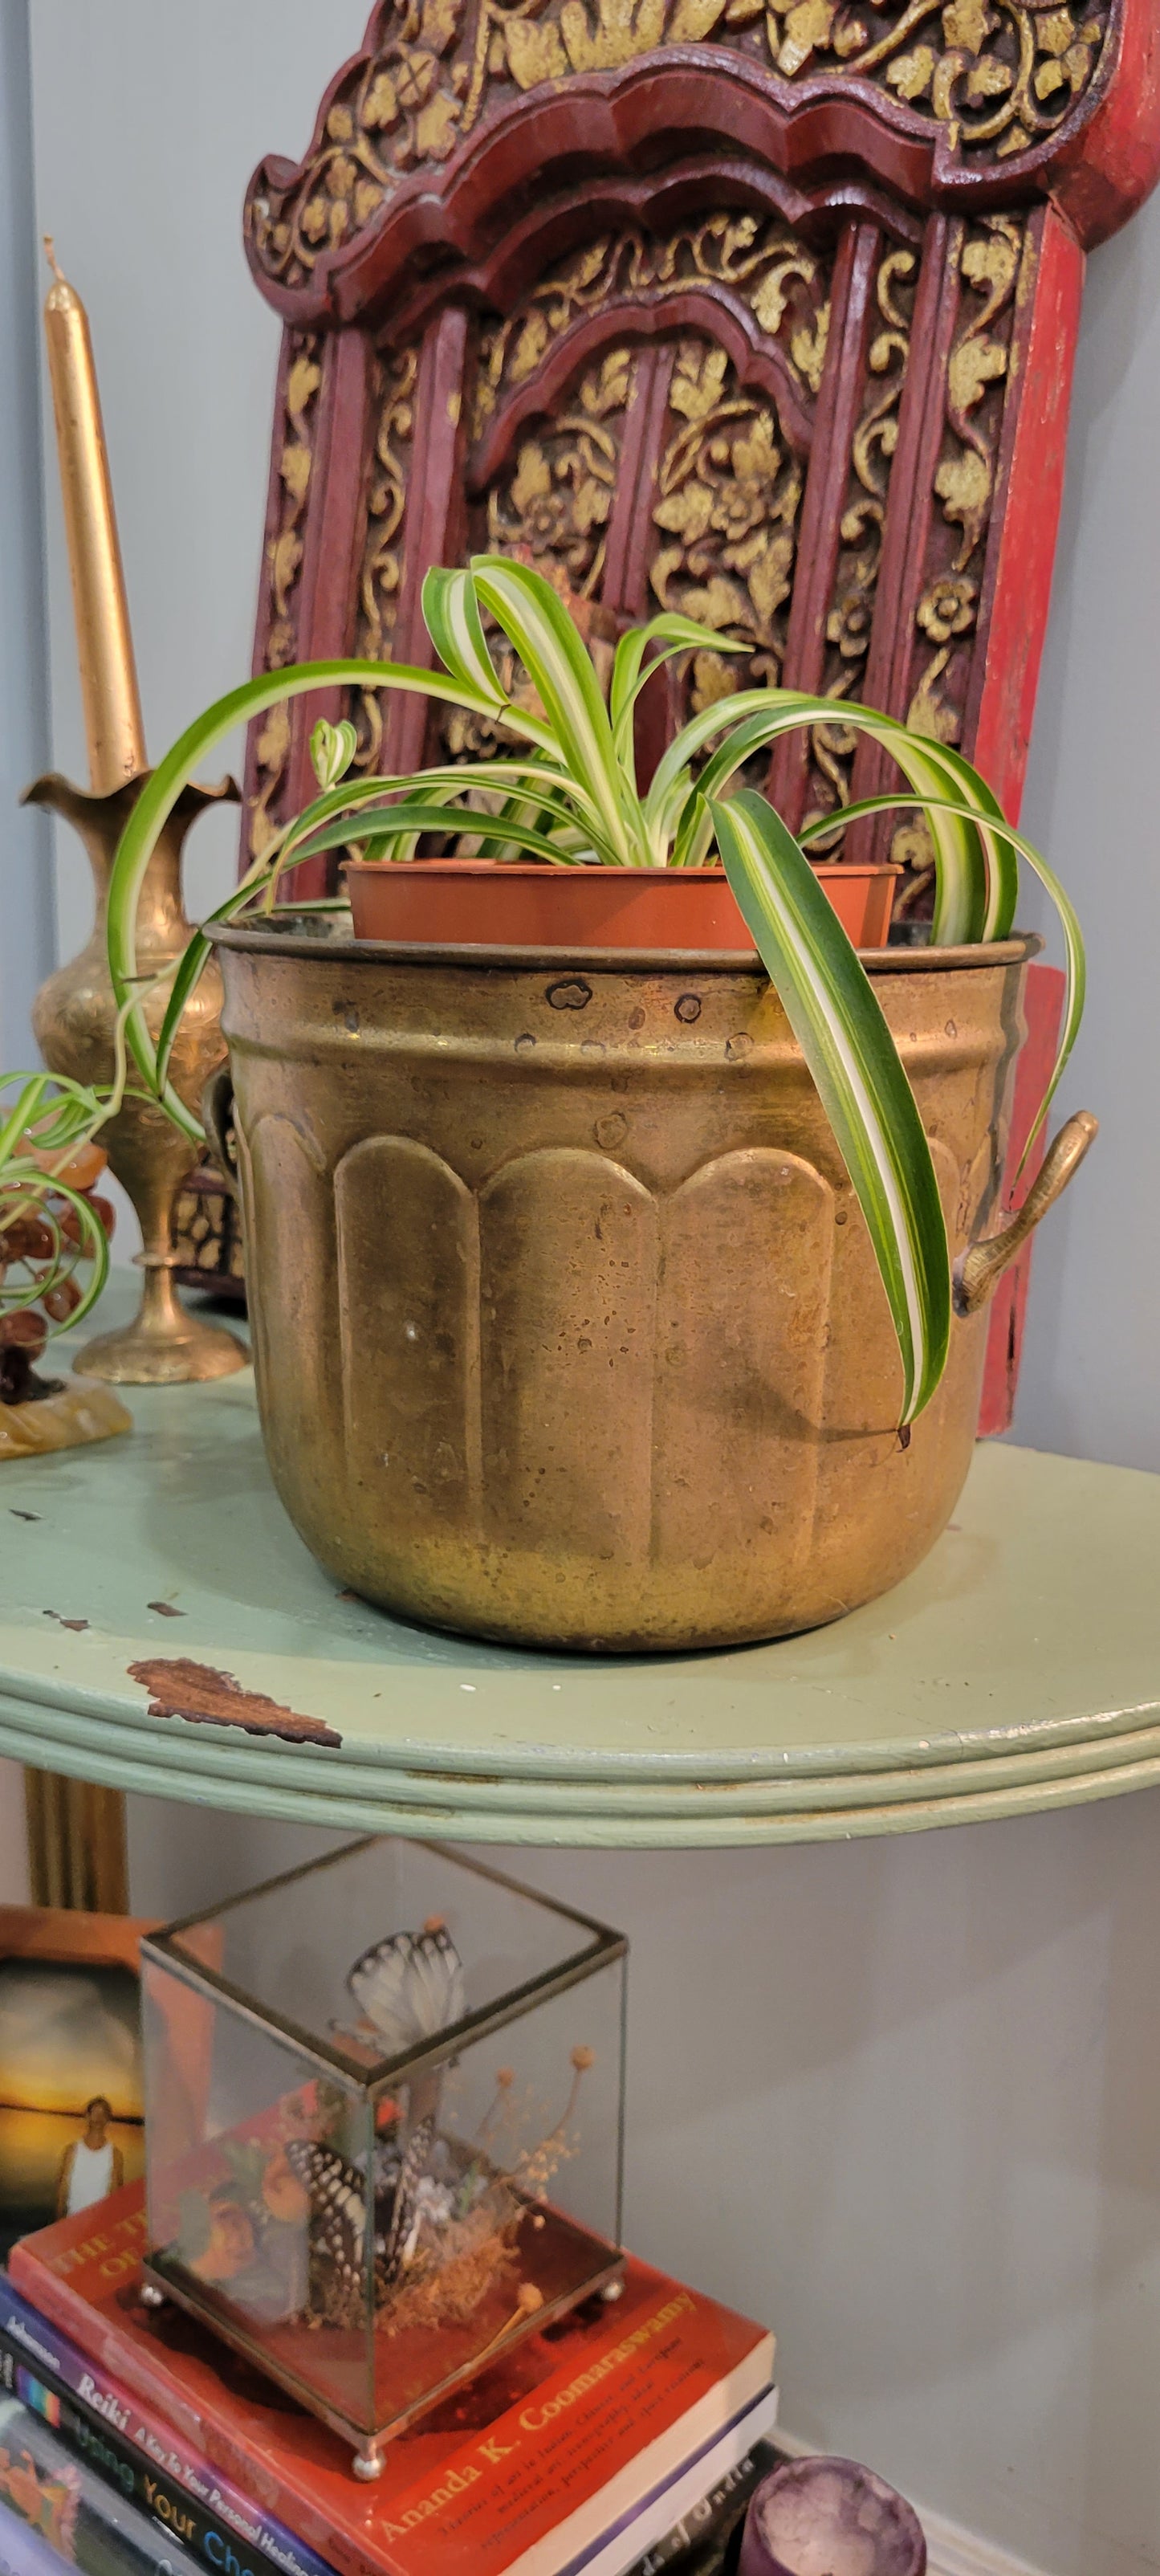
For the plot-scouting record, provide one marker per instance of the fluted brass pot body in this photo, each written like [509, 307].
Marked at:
[567, 1327]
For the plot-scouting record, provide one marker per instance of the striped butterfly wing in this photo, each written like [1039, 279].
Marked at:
[336, 2193]
[404, 2210]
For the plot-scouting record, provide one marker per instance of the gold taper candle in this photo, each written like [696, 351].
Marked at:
[112, 707]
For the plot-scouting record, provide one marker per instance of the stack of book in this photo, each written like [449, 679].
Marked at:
[624, 2437]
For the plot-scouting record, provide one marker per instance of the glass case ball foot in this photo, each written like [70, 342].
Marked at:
[368, 2463]
[151, 2296]
[612, 2290]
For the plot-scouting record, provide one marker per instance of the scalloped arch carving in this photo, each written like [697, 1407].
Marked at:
[985, 86]
[751, 278]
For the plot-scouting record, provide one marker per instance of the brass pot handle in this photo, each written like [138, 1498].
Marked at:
[982, 1264]
[217, 1109]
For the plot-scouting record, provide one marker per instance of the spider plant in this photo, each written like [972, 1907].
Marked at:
[50, 1223]
[51, 1227]
[567, 793]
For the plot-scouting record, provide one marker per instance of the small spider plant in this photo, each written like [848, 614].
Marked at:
[51, 1227]
[567, 793]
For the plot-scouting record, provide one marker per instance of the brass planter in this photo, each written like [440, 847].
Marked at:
[566, 1325]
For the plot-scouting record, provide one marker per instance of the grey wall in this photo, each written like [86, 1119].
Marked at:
[1091, 1378]
[901, 2098]
[26, 917]
[27, 930]
[148, 122]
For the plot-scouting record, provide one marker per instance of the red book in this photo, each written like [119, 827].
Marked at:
[520, 2473]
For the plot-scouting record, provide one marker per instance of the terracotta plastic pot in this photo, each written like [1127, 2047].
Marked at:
[471, 902]
[567, 1328]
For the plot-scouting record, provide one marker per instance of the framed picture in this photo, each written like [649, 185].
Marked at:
[71, 2106]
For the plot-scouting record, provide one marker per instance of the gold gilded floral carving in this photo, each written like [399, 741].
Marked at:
[552, 509]
[851, 615]
[992, 78]
[206, 1239]
[729, 492]
[403, 104]
[559, 500]
[755, 257]
[282, 568]
[1001, 76]
[381, 569]
[965, 477]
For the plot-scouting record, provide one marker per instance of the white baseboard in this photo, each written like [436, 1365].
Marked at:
[951, 2551]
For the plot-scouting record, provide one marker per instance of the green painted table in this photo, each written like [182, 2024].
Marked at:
[1018, 1669]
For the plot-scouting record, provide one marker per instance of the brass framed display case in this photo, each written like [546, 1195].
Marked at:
[383, 2122]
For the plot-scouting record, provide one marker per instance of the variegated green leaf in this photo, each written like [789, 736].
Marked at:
[848, 1047]
[160, 794]
[453, 622]
[1076, 983]
[27, 1106]
[537, 623]
[1002, 869]
[671, 634]
[775, 708]
[415, 816]
[1014, 846]
[93, 1245]
[973, 880]
[192, 964]
[332, 749]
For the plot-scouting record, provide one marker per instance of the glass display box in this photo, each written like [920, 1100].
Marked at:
[384, 2109]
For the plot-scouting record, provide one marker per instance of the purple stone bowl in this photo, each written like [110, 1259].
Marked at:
[828, 2517]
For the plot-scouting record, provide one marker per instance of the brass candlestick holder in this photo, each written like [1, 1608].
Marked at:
[74, 1017]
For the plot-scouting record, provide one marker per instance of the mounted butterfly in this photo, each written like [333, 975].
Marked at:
[373, 2201]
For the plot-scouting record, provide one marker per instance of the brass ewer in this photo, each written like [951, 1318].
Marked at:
[75, 1014]
[74, 1017]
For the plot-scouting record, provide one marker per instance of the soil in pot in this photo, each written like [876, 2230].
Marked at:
[477, 902]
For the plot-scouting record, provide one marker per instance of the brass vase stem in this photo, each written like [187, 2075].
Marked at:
[74, 1016]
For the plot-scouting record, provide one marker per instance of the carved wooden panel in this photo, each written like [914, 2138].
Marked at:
[380, 557]
[861, 224]
[706, 416]
[764, 310]
[723, 413]
[982, 87]
[861, 494]
[278, 643]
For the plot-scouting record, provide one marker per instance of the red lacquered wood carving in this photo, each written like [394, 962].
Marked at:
[763, 312]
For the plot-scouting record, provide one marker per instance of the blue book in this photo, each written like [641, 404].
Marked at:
[214, 2519]
[58, 2514]
[21, 2553]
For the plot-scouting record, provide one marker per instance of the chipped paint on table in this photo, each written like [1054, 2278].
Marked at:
[203, 1696]
[1019, 1668]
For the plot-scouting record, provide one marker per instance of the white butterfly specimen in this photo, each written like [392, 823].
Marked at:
[409, 1987]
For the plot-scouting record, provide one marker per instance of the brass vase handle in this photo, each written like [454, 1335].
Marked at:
[982, 1264]
[217, 1109]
